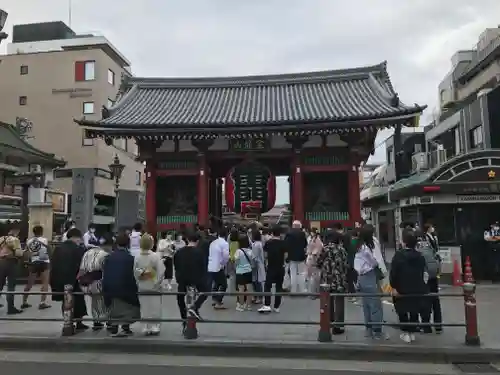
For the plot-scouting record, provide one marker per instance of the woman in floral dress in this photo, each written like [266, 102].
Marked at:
[333, 266]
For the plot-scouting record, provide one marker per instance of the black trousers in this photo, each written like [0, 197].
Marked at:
[409, 309]
[202, 288]
[434, 304]
[218, 283]
[8, 274]
[337, 311]
[275, 278]
[352, 279]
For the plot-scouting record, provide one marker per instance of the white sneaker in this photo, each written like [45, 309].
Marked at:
[265, 309]
[405, 337]
[248, 307]
[240, 307]
[146, 331]
[276, 309]
[155, 330]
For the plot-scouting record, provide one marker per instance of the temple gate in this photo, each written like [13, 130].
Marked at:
[195, 133]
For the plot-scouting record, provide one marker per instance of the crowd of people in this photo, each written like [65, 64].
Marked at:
[124, 285]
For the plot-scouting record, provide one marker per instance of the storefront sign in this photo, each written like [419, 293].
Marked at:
[477, 198]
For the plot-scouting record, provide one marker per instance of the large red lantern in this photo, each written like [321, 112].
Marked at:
[250, 187]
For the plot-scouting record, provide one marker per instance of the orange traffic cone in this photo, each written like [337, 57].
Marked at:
[457, 275]
[468, 276]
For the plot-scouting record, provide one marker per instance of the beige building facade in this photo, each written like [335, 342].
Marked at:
[51, 83]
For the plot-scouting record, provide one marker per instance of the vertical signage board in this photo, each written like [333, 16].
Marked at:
[82, 199]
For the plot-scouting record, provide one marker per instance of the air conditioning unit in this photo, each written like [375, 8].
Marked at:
[419, 162]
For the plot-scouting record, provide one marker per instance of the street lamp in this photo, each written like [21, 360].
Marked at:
[3, 19]
[116, 169]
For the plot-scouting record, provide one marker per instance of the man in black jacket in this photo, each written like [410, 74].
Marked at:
[296, 246]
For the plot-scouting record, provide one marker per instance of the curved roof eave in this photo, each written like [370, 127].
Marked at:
[23, 146]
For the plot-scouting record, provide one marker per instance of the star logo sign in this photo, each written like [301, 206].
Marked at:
[491, 174]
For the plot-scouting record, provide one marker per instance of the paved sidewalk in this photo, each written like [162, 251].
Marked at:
[293, 309]
[294, 336]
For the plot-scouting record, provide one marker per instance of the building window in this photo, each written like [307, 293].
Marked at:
[111, 77]
[86, 141]
[24, 70]
[23, 100]
[88, 108]
[84, 70]
[138, 178]
[476, 137]
[110, 103]
[121, 143]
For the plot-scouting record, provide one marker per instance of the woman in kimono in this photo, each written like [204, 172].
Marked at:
[149, 272]
[259, 274]
[90, 280]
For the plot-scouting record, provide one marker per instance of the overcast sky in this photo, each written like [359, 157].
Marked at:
[238, 37]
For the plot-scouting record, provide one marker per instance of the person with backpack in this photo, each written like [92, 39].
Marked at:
[10, 254]
[433, 266]
[38, 266]
[408, 279]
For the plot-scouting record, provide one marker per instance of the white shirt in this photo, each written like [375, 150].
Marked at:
[218, 255]
[43, 252]
[135, 243]
[364, 260]
[87, 237]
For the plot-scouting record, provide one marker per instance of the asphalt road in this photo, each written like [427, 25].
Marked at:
[43, 363]
[16, 368]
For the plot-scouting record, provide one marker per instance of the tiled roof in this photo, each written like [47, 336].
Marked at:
[360, 94]
[12, 143]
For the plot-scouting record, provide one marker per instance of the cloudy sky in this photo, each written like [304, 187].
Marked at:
[238, 37]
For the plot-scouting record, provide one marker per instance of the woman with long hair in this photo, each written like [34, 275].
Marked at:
[259, 274]
[244, 262]
[314, 249]
[369, 275]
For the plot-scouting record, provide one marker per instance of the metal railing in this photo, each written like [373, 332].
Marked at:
[325, 322]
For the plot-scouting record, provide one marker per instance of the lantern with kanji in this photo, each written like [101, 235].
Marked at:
[250, 187]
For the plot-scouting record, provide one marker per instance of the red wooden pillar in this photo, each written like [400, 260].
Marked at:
[354, 198]
[151, 177]
[203, 191]
[297, 189]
